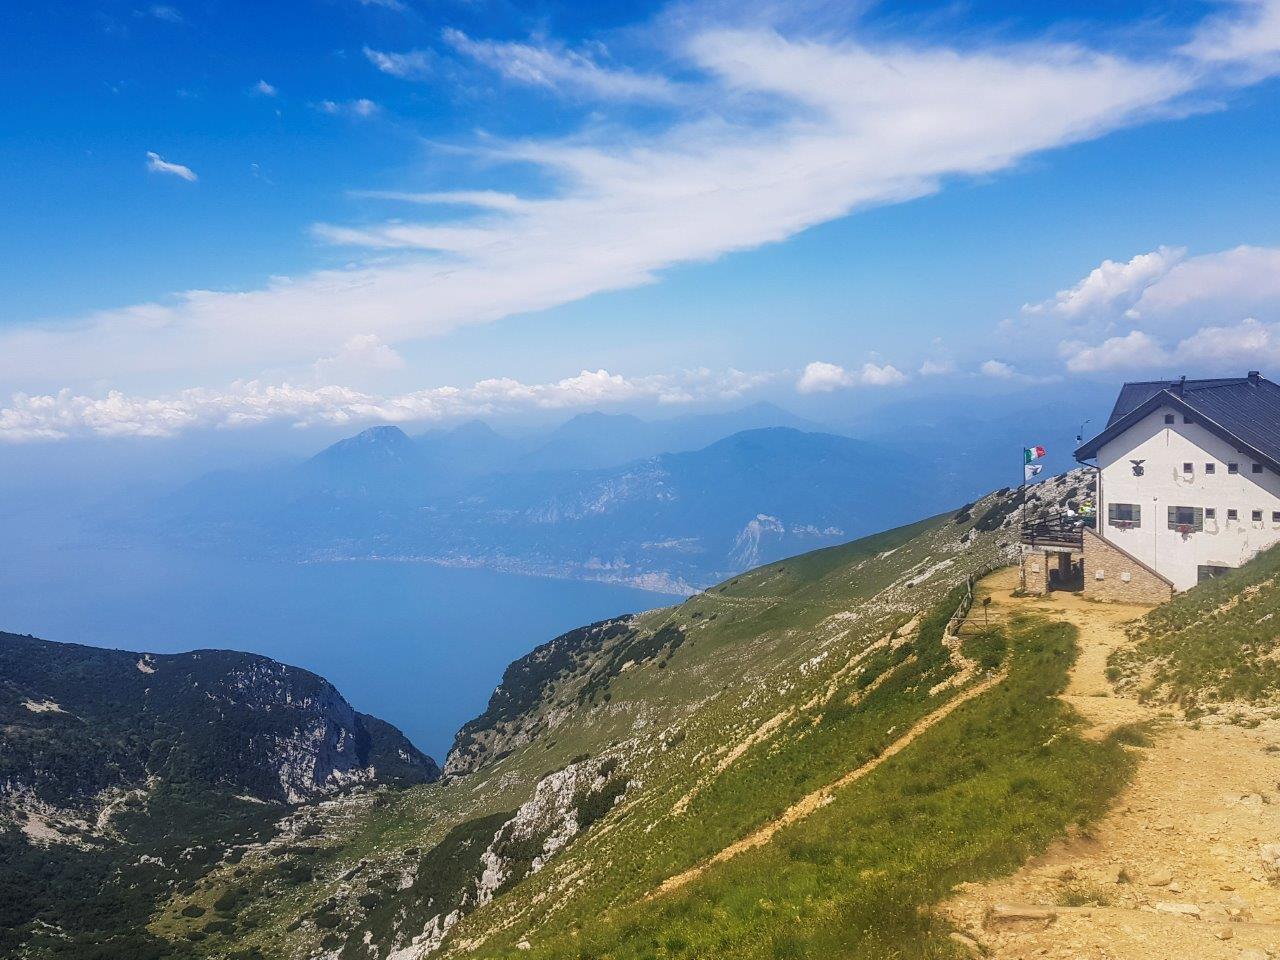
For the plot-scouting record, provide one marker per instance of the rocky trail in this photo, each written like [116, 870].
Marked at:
[1186, 864]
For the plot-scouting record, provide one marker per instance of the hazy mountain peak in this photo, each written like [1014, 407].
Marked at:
[380, 435]
[473, 429]
[376, 443]
[594, 419]
[769, 407]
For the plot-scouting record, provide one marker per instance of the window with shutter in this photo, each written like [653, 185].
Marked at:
[1124, 514]
[1186, 519]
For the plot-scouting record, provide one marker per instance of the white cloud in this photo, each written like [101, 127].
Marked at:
[485, 199]
[411, 65]
[1135, 350]
[349, 108]
[1248, 345]
[822, 377]
[66, 414]
[560, 69]
[157, 164]
[1111, 286]
[885, 375]
[1002, 370]
[264, 89]
[936, 368]
[788, 132]
[998, 370]
[1213, 313]
[1225, 349]
[1247, 35]
[1230, 284]
[361, 354]
[1166, 291]
[162, 11]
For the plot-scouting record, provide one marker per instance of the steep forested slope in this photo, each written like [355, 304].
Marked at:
[124, 774]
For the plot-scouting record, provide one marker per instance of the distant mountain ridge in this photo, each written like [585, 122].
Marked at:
[598, 440]
[672, 522]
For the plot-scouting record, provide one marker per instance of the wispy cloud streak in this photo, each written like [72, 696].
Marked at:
[158, 164]
[790, 132]
[562, 69]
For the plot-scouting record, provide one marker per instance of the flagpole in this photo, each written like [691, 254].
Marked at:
[1022, 524]
[1022, 493]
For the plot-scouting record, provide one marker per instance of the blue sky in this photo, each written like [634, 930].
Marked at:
[338, 212]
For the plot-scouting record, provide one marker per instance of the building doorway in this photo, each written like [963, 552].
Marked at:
[1066, 571]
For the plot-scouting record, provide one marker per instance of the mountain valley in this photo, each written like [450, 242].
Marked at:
[828, 755]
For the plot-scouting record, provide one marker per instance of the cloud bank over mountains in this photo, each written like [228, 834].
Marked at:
[66, 414]
[1216, 312]
[774, 132]
[823, 377]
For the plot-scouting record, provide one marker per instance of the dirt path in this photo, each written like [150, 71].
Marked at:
[821, 797]
[1176, 869]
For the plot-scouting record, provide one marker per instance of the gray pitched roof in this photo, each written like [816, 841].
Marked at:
[1133, 395]
[1244, 411]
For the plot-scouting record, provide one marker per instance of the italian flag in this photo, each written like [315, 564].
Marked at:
[1032, 453]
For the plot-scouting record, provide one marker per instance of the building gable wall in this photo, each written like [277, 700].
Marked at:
[1112, 575]
[1165, 448]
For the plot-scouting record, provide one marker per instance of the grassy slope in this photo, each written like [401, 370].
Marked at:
[790, 643]
[1217, 643]
[743, 639]
[974, 796]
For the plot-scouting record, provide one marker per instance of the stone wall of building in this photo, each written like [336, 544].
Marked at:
[1035, 572]
[1113, 575]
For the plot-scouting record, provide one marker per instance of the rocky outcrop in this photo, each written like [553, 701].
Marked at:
[522, 704]
[564, 804]
[223, 720]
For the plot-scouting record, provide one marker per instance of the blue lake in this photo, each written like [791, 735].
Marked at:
[418, 645]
